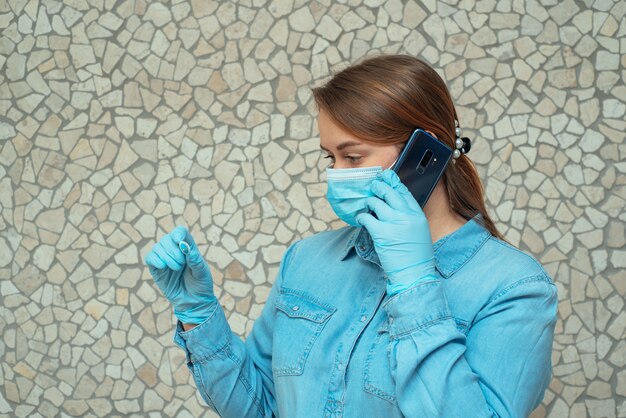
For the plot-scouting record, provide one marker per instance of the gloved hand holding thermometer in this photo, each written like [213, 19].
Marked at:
[401, 233]
[183, 276]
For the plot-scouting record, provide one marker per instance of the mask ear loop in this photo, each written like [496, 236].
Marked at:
[371, 212]
[393, 163]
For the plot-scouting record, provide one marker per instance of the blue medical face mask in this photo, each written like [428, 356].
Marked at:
[348, 188]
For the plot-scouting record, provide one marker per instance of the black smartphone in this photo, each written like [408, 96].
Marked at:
[421, 164]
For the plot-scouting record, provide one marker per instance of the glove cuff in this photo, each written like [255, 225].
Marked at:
[413, 273]
[197, 314]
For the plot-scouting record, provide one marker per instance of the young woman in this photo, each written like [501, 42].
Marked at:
[409, 313]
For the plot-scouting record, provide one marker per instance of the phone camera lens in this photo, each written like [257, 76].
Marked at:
[424, 161]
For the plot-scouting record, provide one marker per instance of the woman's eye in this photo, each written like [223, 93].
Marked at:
[354, 159]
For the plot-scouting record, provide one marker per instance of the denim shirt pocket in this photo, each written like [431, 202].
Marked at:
[378, 379]
[300, 318]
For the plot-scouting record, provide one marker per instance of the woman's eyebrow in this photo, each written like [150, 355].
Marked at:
[343, 145]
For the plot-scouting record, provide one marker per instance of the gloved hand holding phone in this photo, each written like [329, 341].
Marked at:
[183, 276]
[401, 234]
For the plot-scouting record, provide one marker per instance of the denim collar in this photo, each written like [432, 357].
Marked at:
[452, 251]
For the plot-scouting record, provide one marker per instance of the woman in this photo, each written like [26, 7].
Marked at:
[373, 319]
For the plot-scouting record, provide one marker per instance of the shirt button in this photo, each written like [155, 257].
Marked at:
[363, 318]
[295, 308]
[391, 320]
[339, 366]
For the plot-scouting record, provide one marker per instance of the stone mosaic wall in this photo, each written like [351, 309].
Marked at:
[121, 119]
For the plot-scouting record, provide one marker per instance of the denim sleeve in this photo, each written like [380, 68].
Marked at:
[500, 369]
[234, 377]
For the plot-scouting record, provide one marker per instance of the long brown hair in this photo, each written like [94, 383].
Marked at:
[384, 98]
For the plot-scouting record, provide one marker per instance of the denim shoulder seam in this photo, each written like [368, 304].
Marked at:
[292, 251]
[541, 277]
[509, 246]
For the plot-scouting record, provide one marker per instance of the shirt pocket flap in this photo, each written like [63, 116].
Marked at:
[302, 306]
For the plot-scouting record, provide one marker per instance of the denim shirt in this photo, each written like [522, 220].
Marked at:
[476, 341]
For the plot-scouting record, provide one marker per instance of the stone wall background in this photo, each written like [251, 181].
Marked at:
[122, 119]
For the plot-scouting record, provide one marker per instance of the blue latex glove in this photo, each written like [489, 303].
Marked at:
[401, 233]
[184, 279]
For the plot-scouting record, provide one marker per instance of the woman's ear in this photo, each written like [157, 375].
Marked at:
[432, 134]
